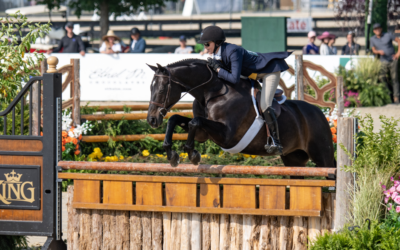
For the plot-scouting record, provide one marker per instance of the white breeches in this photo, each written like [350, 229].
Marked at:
[269, 85]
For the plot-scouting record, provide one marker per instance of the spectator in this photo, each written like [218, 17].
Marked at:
[183, 49]
[332, 49]
[311, 48]
[70, 43]
[324, 48]
[109, 45]
[351, 48]
[138, 44]
[382, 45]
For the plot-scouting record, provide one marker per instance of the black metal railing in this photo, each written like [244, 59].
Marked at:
[19, 101]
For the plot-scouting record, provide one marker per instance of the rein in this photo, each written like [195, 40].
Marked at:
[163, 105]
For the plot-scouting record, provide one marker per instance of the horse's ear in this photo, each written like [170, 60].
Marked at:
[161, 68]
[154, 68]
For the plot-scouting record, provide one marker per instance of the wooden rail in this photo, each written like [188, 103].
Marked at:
[189, 168]
[105, 138]
[139, 107]
[129, 116]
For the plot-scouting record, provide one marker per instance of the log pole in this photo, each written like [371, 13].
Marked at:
[299, 77]
[346, 128]
[339, 96]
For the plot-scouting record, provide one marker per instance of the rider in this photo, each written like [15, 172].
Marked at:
[256, 66]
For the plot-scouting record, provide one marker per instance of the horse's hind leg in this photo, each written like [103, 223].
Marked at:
[181, 121]
[298, 158]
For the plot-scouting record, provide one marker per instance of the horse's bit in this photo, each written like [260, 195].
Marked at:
[163, 105]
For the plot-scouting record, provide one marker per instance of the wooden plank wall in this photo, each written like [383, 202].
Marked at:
[137, 230]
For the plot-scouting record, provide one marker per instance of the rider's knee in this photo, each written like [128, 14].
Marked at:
[174, 118]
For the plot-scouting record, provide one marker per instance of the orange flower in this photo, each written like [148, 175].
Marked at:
[77, 146]
[68, 140]
[63, 148]
[74, 141]
[335, 123]
[327, 118]
[41, 133]
[334, 138]
[77, 152]
[333, 130]
[80, 137]
[64, 134]
[63, 141]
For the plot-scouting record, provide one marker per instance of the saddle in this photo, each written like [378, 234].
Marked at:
[279, 99]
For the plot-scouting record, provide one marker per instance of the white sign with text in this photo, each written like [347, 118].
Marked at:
[299, 25]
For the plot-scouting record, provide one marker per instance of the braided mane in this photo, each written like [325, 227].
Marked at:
[187, 61]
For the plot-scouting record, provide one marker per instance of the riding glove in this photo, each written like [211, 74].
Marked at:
[214, 64]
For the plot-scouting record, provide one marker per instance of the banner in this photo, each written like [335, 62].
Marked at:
[299, 25]
[126, 77]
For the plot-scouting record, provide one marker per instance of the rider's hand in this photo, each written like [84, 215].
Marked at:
[213, 64]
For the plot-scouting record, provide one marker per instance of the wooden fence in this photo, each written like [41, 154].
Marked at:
[179, 212]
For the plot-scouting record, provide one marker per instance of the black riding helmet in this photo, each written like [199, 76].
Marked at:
[214, 34]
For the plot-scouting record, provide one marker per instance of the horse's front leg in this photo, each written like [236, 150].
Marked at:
[181, 121]
[214, 130]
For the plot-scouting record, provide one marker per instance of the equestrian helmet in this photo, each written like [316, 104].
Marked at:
[212, 33]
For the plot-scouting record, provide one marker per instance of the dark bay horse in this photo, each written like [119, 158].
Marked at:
[223, 112]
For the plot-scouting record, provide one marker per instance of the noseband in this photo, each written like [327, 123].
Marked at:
[162, 106]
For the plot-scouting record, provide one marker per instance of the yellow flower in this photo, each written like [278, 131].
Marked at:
[253, 156]
[183, 155]
[246, 156]
[97, 150]
[160, 155]
[145, 153]
[121, 157]
[205, 156]
[23, 54]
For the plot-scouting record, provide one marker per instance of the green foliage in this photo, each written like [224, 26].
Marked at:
[392, 219]
[68, 153]
[14, 69]
[364, 80]
[378, 158]
[13, 242]
[376, 237]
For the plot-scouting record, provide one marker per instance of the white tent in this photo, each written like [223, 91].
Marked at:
[37, 9]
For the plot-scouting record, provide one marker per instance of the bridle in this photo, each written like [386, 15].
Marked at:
[162, 106]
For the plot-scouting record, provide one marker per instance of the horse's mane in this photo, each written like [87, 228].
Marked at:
[186, 62]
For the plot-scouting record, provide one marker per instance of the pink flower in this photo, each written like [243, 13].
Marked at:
[386, 200]
[398, 188]
[392, 189]
[398, 209]
[394, 195]
[391, 178]
[396, 183]
[397, 199]
[384, 187]
[387, 193]
[347, 103]
[390, 207]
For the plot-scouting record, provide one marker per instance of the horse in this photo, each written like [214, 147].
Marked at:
[223, 112]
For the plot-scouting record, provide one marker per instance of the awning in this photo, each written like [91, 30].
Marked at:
[37, 9]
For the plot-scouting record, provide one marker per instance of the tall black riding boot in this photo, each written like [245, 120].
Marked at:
[273, 145]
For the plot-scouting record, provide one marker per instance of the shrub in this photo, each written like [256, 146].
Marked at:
[378, 158]
[13, 242]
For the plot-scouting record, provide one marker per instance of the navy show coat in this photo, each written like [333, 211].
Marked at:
[243, 62]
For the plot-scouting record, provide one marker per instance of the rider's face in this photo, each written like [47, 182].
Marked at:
[210, 47]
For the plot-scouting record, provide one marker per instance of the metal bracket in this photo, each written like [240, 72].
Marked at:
[52, 244]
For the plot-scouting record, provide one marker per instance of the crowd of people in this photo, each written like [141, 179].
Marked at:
[327, 45]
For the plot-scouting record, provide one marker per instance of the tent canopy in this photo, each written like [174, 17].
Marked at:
[37, 9]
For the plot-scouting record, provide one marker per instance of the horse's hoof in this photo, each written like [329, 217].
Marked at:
[174, 159]
[195, 157]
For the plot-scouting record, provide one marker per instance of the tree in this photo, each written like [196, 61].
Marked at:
[104, 8]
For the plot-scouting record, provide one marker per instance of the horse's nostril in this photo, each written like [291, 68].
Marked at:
[153, 121]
